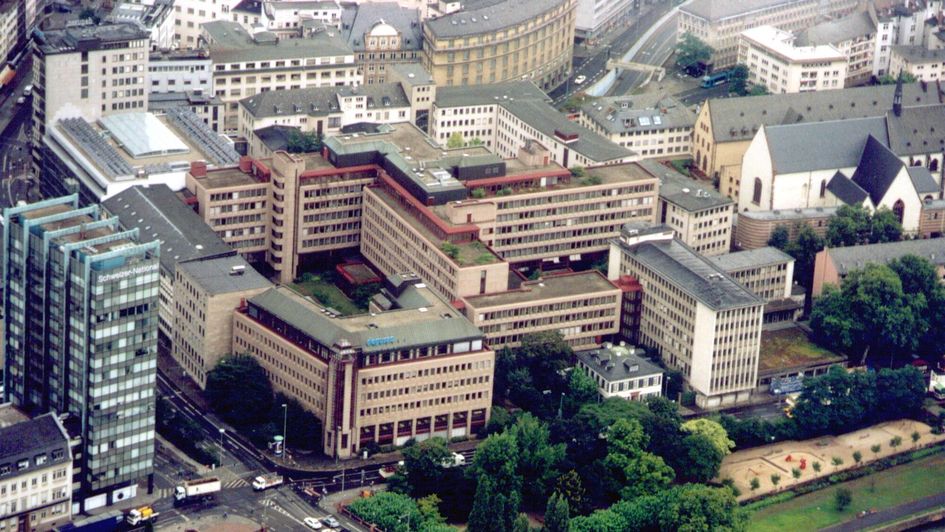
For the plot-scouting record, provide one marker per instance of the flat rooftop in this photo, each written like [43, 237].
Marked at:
[751, 258]
[788, 348]
[781, 43]
[541, 291]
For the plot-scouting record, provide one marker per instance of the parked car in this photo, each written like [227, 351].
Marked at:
[312, 523]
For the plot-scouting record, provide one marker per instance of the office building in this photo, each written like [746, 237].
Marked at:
[493, 41]
[35, 472]
[206, 106]
[157, 18]
[583, 306]
[908, 24]
[854, 36]
[81, 314]
[412, 368]
[99, 160]
[180, 71]
[621, 371]
[285, 19]
[697, 318]
[245, 64]
[834, 264]
[105, 67]
[652, 125]
[381, 34]
[17, 20]
[778, 64]
[769, 273]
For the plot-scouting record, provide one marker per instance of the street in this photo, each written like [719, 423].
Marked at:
[15, 161]
[655, 51]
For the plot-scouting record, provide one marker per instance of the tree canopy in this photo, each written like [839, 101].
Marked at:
[498, 484]
[738, 80]
[853, 225]
[692, 52]
[239, 391]
[303, 142]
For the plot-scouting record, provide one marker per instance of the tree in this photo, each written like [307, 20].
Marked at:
[303, 142]
[889, 79]
[578, 171]
[304, 430]
[582, 389]
[857, 457]
[915, 438]
[775, 479]
[796, 473]
[711, 430]
[757, 90]
[804, 249]
[557, 514]
[521, 524]
[702, 459]
[455, 141]
[899, 392]
[692, 53]
[895, 442]
[816, 466]
[884, 227]
[538, 459]
[754, 484]
[239, 391]
[842, 498]
[450, 249]
[780, 238]
[738, 80]
[423, 466]
[876, 448]
[849, 226]
[836, 461]
[498, 485]
[388, 511]
[632, 471]
[478, 193]
[697, 507]
[569, 487]
[429, 508]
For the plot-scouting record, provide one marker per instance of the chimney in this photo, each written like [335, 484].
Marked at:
[198, 168]
[246, 164]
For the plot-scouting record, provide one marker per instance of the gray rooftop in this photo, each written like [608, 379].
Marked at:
[488, 16]
[159, 214]
[919, 54]
[320, 101]
[231, 43]
[685, 192]
[752, 258]
[692, 273]
[431, 322]
[715, 10]
[359, 19]
[858, 24]
[824, 145]
[33, 442]
[645, 112]
[493, 93]
[623, 362]
[851, 258]
[846, 190]
[790, 214]
[737, 119]
[217, 275]
[876, 170]
[918, 130]
[412, 73]
[88, 37]
[275, 138]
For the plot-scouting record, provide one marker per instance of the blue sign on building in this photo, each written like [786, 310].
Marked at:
[373, 342]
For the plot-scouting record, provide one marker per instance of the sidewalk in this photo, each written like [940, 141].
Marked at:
[232, 523]
[323, 463]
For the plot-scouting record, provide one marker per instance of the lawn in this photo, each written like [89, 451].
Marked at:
[787, 348]
[327, 294]
[892, 487]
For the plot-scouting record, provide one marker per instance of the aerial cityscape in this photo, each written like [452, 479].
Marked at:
[484, 265]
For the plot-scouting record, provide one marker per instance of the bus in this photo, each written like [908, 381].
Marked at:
[718, 78]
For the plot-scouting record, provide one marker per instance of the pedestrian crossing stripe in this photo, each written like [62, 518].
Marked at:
[272, 504]
[236, 483]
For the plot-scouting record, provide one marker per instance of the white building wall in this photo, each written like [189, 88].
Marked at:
[176, 75]
[703, 347]
[190, 14]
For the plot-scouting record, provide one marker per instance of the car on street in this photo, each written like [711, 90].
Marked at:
[21, 100]
[330, 521]
[580, 79]
[28, 90]
[312, 523]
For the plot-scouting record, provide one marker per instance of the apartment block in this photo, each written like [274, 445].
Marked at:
[35, 472]
[413, 368]
[498, 41]
[245, 64]
[81, 313]
[775, 62]
[621, 371]
[191, 15]
[381, 34]
[854, 36]
[583, 306]
[923, 64]
[652, 125]
[285, 18]
[699, 216]
[594, 17]
[908, 24]
[720, 22]
[17, 20]
[694, 315]
[505, 117]
[106, 66]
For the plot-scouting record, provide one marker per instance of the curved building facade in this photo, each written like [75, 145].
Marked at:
[491, 41]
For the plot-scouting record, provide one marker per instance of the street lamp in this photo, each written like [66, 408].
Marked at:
[285, 420]
[222, 431]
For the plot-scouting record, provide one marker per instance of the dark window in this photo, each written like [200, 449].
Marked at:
[756, 194]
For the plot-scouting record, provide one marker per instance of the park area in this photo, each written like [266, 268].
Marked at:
[779, 466]
[885, 489]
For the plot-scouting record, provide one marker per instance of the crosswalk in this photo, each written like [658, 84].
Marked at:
[272, 504]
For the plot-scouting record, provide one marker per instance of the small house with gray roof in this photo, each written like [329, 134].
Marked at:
[651, 124]
[621, 371]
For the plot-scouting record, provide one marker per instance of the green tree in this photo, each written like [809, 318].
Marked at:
[582, 389]
[702, 459]
[857, 457]
[757, 90]
[884, 227]
[915, 438]
[498, 485]
[633, 471]
[849, 226]
[754, 484]
[304, 429]
[876, 448]
[780, 238]
[239, 391]
[816, 466]
[578, 171]
[388, 511]
[450, 249]
[500, 420]
[697, 507]
[804, 249]
[775, 479]
[429, 508]
[713, 431]
[538, 460]
[889, 79]
[796, 473]
[570, 487]
[842, 498]
[738, 80]
[895, 442]
[692, 52]
[455, 141]
[557, 514]
[521, 524]
[303, 142]
[423, 466]
[836, 461]
[478, 193]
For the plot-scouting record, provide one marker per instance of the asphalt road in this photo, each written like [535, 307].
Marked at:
[698, 95]
[890, 514]
[655, 51]
[15, 183]
[593, 66]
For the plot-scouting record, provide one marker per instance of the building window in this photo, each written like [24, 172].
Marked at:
[756, 194]
[823, 188]
[898, 209]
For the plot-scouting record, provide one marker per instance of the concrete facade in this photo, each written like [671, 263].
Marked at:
[776, 63]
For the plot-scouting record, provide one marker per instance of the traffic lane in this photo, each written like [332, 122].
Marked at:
[698, 95]
[655, 52]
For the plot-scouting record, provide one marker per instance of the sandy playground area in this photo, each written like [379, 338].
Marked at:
[782, 457]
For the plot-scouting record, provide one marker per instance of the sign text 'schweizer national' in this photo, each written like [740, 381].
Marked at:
[137, 270]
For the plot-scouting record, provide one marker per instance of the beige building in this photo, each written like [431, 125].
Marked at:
[653, 125]
[769, 273]
[414, 368]
[88, 72]
[584, 307]
[694, 315]
[854, 36]
[719, 23]
[755, 228]
[206, 294]
[382, 34]
[504, 40]
[246, 64]
[775, 62]
[35, 472]
[834, 264]
[925, 65]
[190, 15]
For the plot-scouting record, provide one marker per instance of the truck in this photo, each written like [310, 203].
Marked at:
[269, 480]
[196, 490]
[139, 516]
